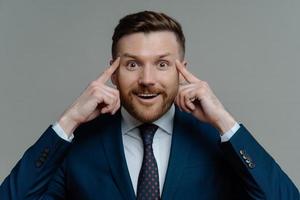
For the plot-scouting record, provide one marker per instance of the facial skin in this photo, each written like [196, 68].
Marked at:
[147, 78]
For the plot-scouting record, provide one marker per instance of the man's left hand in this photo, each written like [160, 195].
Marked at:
[195, 96]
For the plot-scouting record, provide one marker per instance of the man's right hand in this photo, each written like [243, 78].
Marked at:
[96, 99]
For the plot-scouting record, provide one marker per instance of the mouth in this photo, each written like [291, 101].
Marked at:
[147, 95]
[147, 98]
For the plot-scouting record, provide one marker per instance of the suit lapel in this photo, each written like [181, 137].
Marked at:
[178, 155]
[113, 145]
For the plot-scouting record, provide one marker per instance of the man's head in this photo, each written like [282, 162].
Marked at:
[148, 44]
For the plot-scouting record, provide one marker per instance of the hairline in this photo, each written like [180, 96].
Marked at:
[181, 50]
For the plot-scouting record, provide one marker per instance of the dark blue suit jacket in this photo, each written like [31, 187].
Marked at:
[200, 167]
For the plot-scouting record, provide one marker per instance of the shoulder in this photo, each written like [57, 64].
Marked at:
[196, 129]
[91, 133]
[97, 125]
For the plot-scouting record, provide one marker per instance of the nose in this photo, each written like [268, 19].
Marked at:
[147, 76]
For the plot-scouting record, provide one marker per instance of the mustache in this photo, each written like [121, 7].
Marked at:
[147, 90]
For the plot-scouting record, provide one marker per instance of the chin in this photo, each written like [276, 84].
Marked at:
[148, 118]
[147, 114]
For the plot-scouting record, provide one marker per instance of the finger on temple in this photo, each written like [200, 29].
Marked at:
[105, 76]
[189, 77]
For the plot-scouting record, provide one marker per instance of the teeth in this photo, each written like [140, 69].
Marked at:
[147, 95]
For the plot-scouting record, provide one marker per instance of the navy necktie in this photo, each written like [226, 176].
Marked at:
[148, 182]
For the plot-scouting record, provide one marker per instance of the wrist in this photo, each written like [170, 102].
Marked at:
[67, 124]
[225, 123]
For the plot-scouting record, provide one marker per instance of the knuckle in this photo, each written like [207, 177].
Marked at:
[205, 83]
[93, 84]
[202, 91]
[94, 90]
[186, 93]
[106, 100]
[186, 97]
[114, 99]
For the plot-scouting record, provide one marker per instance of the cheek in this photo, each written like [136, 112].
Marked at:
[170, 78]
[125, 79]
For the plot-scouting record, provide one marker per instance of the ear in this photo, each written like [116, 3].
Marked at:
[184, 63]
[113, 77]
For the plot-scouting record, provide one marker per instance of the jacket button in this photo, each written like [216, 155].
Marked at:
[251, 165]
[42, 159]
[247, 157]
[38, 164]
[242, 152]
[46, 150]
[45, 155]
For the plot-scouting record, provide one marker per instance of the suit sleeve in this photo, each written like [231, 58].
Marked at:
[261, 175]
[30, 177]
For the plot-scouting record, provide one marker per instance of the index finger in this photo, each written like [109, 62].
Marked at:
[105, 76]
[188, 76]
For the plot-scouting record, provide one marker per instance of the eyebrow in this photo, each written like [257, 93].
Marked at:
[136, 57]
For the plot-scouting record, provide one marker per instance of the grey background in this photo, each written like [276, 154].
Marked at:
[247, 50]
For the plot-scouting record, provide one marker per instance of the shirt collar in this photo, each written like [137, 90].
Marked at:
[165, 122]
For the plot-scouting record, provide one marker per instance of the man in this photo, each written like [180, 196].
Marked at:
[160, 134]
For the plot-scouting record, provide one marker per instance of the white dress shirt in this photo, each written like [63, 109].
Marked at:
[133, 144]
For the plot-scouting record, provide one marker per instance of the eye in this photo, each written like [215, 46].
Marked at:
[131, 65]
[163, 65]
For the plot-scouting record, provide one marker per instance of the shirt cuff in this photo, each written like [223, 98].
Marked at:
[226, 136]
[61, 133]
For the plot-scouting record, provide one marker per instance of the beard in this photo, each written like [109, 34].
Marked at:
[148, 113]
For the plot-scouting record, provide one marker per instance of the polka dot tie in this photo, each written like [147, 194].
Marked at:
[148, 182]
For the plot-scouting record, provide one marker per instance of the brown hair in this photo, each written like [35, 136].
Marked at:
[146, 22]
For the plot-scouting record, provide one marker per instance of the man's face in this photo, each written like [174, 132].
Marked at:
[147, 78]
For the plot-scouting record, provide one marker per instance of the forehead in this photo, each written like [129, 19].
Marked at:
[149, 44]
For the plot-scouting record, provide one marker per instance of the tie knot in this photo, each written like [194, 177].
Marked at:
[147, 133]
